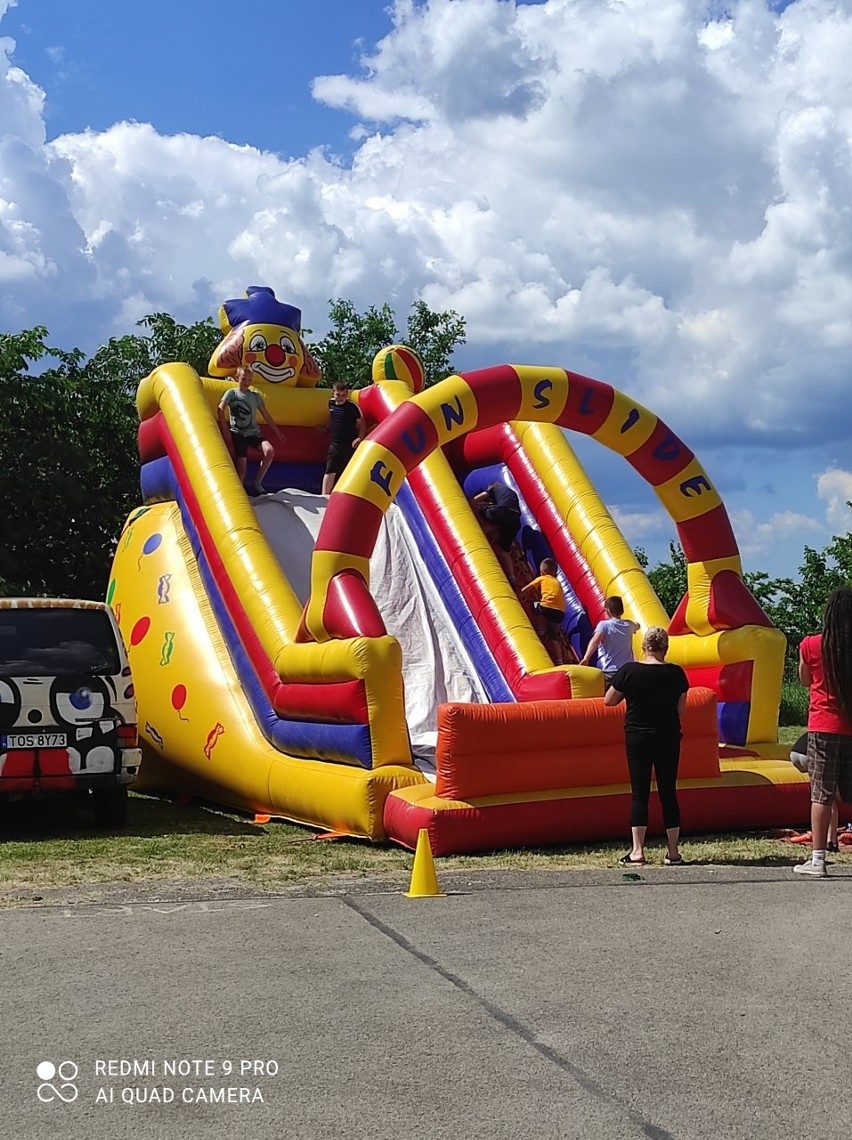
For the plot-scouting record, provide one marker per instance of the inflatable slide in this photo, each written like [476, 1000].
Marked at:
[361, 663]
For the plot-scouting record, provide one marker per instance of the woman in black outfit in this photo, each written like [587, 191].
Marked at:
[655, 691]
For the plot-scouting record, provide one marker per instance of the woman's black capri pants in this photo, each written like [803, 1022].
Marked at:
[647, 753]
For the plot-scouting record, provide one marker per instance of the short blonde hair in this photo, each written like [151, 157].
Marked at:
[656, 640]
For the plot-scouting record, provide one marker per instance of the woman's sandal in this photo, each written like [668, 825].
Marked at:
[669, 862]
[625, 860]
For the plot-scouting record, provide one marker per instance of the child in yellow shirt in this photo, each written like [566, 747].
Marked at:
[549, 609]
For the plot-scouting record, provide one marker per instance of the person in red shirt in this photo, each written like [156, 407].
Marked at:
[799, 759]
[825, 666]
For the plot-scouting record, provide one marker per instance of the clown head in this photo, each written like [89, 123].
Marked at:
[262, 334]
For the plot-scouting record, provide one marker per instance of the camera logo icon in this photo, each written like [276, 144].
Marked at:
[65, 1073]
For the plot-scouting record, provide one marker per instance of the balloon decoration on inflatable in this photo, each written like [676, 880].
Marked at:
[263, 334]
[399, 362]
[179, 695]
[140, 629]
[151, 544]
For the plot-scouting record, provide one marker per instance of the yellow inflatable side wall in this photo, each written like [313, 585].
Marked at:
[193, 712]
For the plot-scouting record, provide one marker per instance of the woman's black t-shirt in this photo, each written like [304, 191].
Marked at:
[652, 693]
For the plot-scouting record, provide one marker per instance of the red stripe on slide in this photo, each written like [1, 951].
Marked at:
[678, 624]
[262, 665]
[497, 392]
[476, 449]
[662, 456]
[350, 609]
[332, 702]
[350, 525]
[150, 439]
[708, 536]
[373, 404]
[410, 435]
[588, 405]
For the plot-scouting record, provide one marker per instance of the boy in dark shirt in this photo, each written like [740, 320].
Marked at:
[347, 428]
[499, 511]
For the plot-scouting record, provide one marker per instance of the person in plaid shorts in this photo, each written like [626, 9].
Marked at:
[825, 666]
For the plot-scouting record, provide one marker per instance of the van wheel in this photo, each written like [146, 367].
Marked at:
[110, 808]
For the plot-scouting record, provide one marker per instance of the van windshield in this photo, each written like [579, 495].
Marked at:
[50, 642]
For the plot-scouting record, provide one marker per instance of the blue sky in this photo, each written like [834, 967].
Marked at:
[196, 67]
[653, 193]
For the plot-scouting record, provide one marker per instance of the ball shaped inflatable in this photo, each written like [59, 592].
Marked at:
[399, 362]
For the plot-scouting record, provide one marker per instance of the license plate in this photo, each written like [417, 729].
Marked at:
[33, 740]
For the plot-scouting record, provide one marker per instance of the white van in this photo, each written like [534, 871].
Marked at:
[67, 706]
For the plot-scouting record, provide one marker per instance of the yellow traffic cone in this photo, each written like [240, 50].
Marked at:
[424, 881]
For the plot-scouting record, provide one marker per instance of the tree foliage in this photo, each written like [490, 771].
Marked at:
[346, 352]
[68, 475]
[68, 428]
[131, 358]
[669, 579]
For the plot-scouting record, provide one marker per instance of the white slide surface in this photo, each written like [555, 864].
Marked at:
[436, 667]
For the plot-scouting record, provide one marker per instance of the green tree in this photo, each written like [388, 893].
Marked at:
[169, 340]
[346, 352]
[669, 579]
[764, 589]
[435, 336]
[134, 356]
[70, 473]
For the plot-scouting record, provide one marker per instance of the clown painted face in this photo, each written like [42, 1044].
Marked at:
[272, 353]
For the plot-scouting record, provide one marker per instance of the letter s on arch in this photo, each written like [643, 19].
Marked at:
[542, 401]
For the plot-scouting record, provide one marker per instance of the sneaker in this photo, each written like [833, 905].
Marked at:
[813, 870]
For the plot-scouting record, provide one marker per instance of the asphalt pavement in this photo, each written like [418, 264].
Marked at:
[689, 1004]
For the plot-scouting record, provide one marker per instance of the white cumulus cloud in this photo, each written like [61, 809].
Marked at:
[755, 539]
[835, 487]
[653, 191]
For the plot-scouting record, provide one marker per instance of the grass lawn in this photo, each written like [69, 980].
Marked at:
[51, 844]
